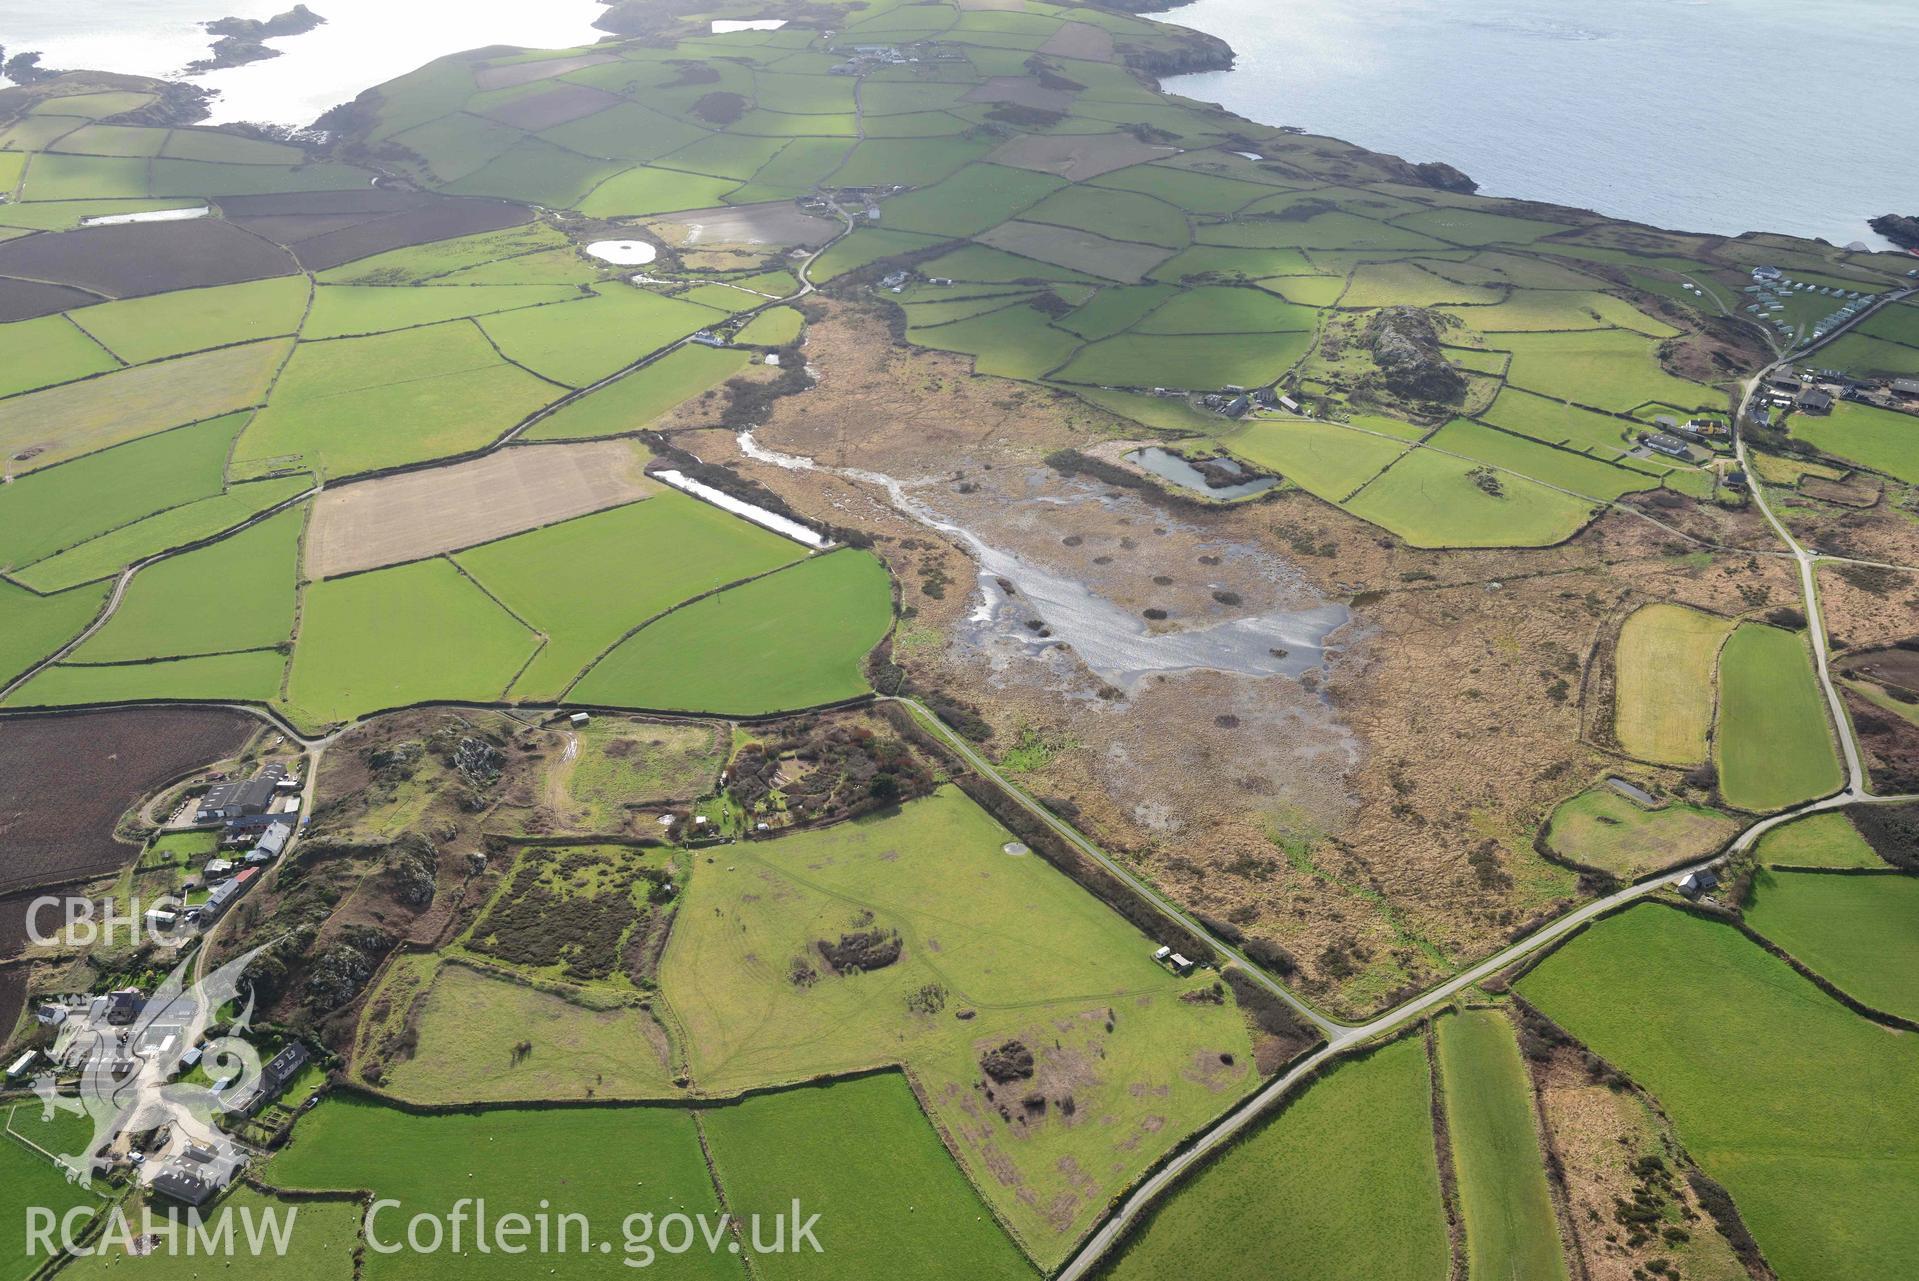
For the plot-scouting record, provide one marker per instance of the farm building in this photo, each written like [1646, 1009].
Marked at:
[1671, 446]
[1906, 388]
[241, 798]
[198, 1174]
[1814, 401]
[1693, 884]
[275, 1076]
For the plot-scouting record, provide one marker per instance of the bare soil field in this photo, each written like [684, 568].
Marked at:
[519, 73]
[25, 299]
[782, 224]
[548, 107]
[1026, 91]
[321, 239]
[1077, 156]
[13, 995]
[423, 513]
[1080, 40]
[1865, 607]
[66, 780]
[1085, 251]
[45, 427]
[145, 258]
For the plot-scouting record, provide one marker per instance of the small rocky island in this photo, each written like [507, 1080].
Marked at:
[1900, 229]
[243, 40]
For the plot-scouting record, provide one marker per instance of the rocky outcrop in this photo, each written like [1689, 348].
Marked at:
[1190, 51]
[1439, 174]
[1900, 229]
[1405, 346]
[242, 40]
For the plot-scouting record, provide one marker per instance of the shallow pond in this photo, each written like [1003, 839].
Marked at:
[1167, 465]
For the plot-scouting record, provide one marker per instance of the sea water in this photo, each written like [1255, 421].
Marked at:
[363, 43]
[1721, 116]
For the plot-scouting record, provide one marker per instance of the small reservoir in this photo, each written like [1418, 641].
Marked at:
[1213, 477]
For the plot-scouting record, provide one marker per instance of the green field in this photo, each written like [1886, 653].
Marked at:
[1363, 1202]
[1865, 434]
[579, 343]
[1806, 1112]
[1036, 958]
[641, 396]
[1664, 701]
[143, 329]
[775, 327]
[359, 404]
[1859, 932]
[1607, 369]
[168, 610]
[1324, 459]
[1432, 500]
[1773, 745]
[515, 1160]
[862, 1156]
[341, 311]
[29, 1179]
[163, 531]
[622, 761]
[1871, 357]
[251, 676]
[1201, 362]
[586, 583]
[1511, 1229]
[1823, 840]
[46, 351]
[1560, 468]
[1602, 829]
[399, 636]
[485, 1039]
[324, 1236]
[790, 640]
[57, 507]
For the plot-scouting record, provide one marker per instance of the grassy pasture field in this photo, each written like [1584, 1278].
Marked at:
[1865, 434]
[29, 1179]
[1038, 959]
[775, 327]
[360, 404]
[790, 640]
[514, 1159]
[1559, 468]
[1871, 357]
[79, 418]
[167, 611]
[1603, 829]
[250, 676]
[446, 258]
[1200, 362]
[1015, 341]
[1221, 309]
[343, 311]
[641, 396]
[1541, 310]
[1606, 369]
[32, 627]
[471, 1024]
[398, 636]
[1511, 1228]
[1773, 745]
[586, 582]
[1859, 932]
[175, 527]
[1362, 1202]
[1821, 840]
[325, 1235]
[1325, 459]
[623, 761]
[57, 507]
[161, 325]
[579, 343]
[1664, 702]
[890, 1200]
[1805, 1111]
[1559, 424]
[48, 350]
[976, 198]
[1431, 500]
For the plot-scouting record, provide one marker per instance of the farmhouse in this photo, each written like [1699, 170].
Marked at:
[275, 1076]
[1693, 884]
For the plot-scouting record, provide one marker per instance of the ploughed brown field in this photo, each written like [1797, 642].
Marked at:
[326, 229]
[417, 514]
[65, 781]
[145, 258]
